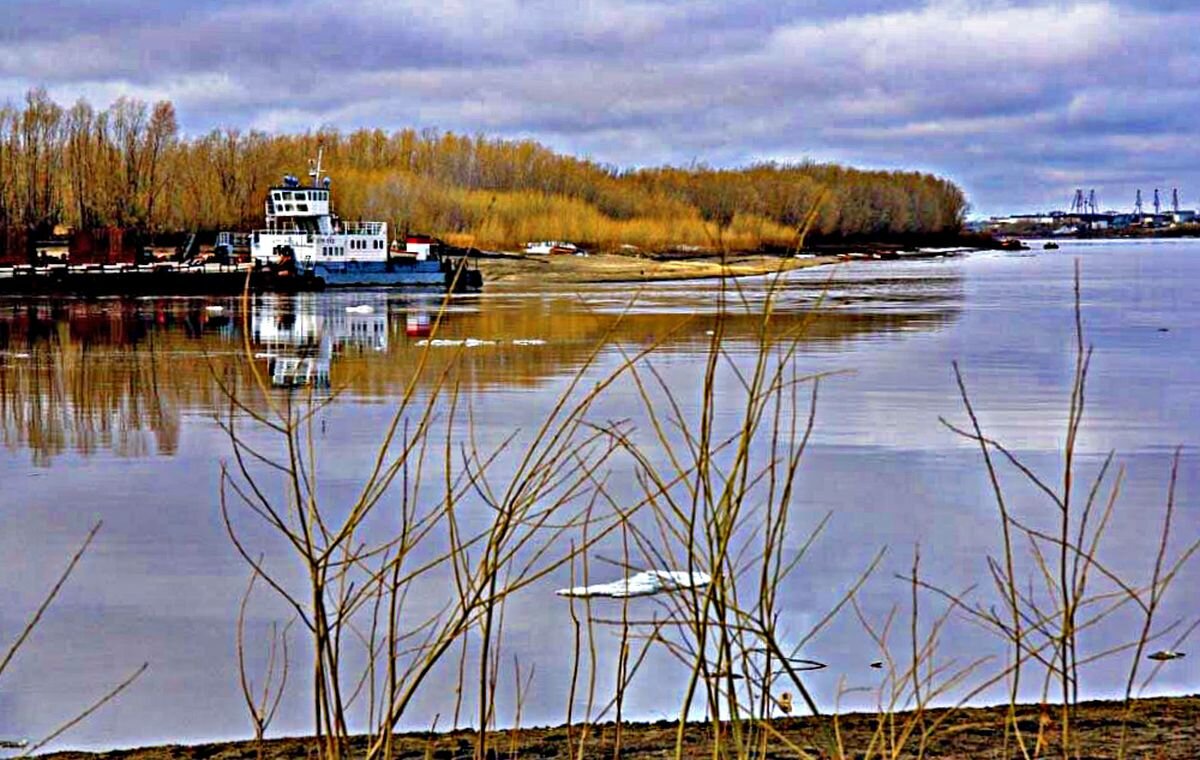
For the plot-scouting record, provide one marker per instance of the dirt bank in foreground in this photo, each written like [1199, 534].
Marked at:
[527, 270]
[1160, 729]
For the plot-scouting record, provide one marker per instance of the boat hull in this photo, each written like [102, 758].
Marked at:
[418, 274]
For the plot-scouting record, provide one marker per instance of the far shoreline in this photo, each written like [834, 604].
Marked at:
[602, 268]
[1165, 728]
[518, 269]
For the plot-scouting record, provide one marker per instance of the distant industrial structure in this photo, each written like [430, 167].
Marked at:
[1085, 217]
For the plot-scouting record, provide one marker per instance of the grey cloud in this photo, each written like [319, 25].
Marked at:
[1014, 100]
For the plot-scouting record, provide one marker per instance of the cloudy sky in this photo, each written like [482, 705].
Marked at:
[1020, 102]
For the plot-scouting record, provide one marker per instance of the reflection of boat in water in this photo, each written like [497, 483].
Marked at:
[295, 371]
[418, 324]
[299, 341]
[304, 236]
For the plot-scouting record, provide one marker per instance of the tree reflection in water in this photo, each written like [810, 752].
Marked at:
[119, 376]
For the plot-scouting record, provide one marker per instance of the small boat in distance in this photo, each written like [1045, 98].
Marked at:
[552, 247]
[305, 236]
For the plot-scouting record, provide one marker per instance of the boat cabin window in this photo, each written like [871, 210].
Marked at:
[302, 207]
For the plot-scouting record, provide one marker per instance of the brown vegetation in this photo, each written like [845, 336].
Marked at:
[129, 166]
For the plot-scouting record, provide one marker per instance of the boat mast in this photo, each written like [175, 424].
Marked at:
[314, 168]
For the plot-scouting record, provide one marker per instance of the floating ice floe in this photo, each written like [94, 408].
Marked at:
[444, 342]
[645, 583]
[363, 308]
[1166, 654]
[529, 342]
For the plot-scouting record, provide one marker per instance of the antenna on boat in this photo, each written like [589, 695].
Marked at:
[314, 167]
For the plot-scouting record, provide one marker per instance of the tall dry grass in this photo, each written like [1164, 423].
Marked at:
[715, 478]
[508, 219]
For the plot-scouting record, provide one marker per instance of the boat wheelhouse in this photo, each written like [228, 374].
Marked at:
[300, 223]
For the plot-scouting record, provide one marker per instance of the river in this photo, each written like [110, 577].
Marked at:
[111, 411]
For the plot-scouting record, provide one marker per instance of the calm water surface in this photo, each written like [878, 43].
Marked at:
[108, 411]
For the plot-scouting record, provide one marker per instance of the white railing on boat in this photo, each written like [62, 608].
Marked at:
[362, 228]
[345, 228]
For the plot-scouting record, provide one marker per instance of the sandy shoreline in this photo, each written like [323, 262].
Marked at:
[516, 269]
[1164, 728]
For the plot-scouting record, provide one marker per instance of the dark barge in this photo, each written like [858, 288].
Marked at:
[146, 280]
[170, 279]
[113, 262]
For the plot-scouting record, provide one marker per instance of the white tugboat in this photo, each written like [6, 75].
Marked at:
[304, 233]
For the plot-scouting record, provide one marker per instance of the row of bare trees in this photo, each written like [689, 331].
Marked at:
[128, 165]
[84, 167]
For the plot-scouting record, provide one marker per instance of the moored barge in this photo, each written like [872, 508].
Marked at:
[304, 247]
[164, 279]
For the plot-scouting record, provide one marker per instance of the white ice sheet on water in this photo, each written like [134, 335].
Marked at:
[646, 583]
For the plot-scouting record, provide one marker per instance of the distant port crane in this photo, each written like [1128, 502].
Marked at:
[1082, 204]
